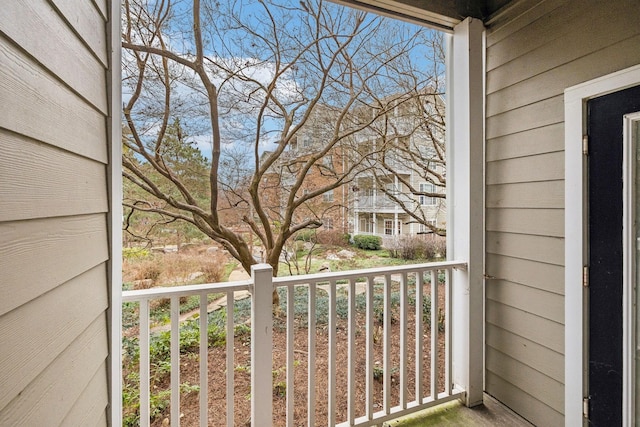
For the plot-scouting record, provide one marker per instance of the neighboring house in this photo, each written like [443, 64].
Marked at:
[398, 186]
[331, 207]
[524, 212]
[402, 192]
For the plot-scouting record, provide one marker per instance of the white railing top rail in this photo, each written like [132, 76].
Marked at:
[186, 290]
[377, 271]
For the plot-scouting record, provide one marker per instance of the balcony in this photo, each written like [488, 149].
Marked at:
[382, 203]
[378, 347]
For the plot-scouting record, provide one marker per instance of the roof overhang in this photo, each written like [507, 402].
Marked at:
[439, 14]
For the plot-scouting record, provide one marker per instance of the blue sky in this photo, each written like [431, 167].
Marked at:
[255, 60]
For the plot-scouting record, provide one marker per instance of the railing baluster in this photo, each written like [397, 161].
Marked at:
[290, 355]
[434, 334]
[145, 384]
[331, 415]
[204, 361]
[370, 365]
[419, 336]
[351, 354]
[175, 361]
[386, 362]
[230, 358]
[311, 362]
[403, 340]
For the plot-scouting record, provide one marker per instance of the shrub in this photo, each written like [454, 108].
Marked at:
[415, 247]
[213, 270]
[393, 245]
[306, 236]
[405, 247]
[367, 241]
[435, 247]
[147, 270]
[333, 237]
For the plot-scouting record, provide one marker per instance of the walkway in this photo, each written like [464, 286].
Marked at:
[236, 275]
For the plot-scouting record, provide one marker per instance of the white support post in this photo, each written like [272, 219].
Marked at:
[261, 345]
[374, 227]
[356, 221]
[114, 171]
[465, 158]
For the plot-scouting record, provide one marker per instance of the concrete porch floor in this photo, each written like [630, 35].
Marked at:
[491, 414]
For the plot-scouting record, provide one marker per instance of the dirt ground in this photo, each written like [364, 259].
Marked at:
[242, 404]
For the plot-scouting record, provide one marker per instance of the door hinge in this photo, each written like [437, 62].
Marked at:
[585, 276]
[585, 408]
[585, 145]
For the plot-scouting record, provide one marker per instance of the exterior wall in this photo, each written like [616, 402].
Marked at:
[54, 211]
[534, 51]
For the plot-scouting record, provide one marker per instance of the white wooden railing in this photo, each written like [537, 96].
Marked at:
[383, 202]
[399, 291]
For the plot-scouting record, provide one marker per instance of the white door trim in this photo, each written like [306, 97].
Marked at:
[575, 98]
[629, 269]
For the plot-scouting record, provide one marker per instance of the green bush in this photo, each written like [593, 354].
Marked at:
[366, 241]
[306, 236]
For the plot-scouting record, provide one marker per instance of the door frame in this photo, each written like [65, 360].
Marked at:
[576, 226]
[629, 247]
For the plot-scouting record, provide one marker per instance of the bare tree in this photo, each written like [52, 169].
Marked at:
[412, 168]
[411, 171]
[245, 79]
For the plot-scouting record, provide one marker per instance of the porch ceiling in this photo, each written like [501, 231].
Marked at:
[441, 14]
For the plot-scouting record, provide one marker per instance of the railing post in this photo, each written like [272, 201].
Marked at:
[261, 345]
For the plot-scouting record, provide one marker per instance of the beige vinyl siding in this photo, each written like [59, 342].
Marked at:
[54, 205]
[535, 50]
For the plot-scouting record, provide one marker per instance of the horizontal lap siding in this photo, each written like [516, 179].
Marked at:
[54, 237]
[65, 183]
[532, 56]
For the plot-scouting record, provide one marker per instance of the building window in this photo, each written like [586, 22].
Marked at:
[424, 229]
[367, 192]
[391, 189]
[366, 225]
[327, 223]
[328, 161]
[427, 200]
[389, 229]
[328, 196]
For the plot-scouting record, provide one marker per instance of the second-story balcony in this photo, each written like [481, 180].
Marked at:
[382, 203]
[354, 348]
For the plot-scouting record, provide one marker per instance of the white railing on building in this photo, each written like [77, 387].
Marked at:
[384, 202]
[411, 286]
